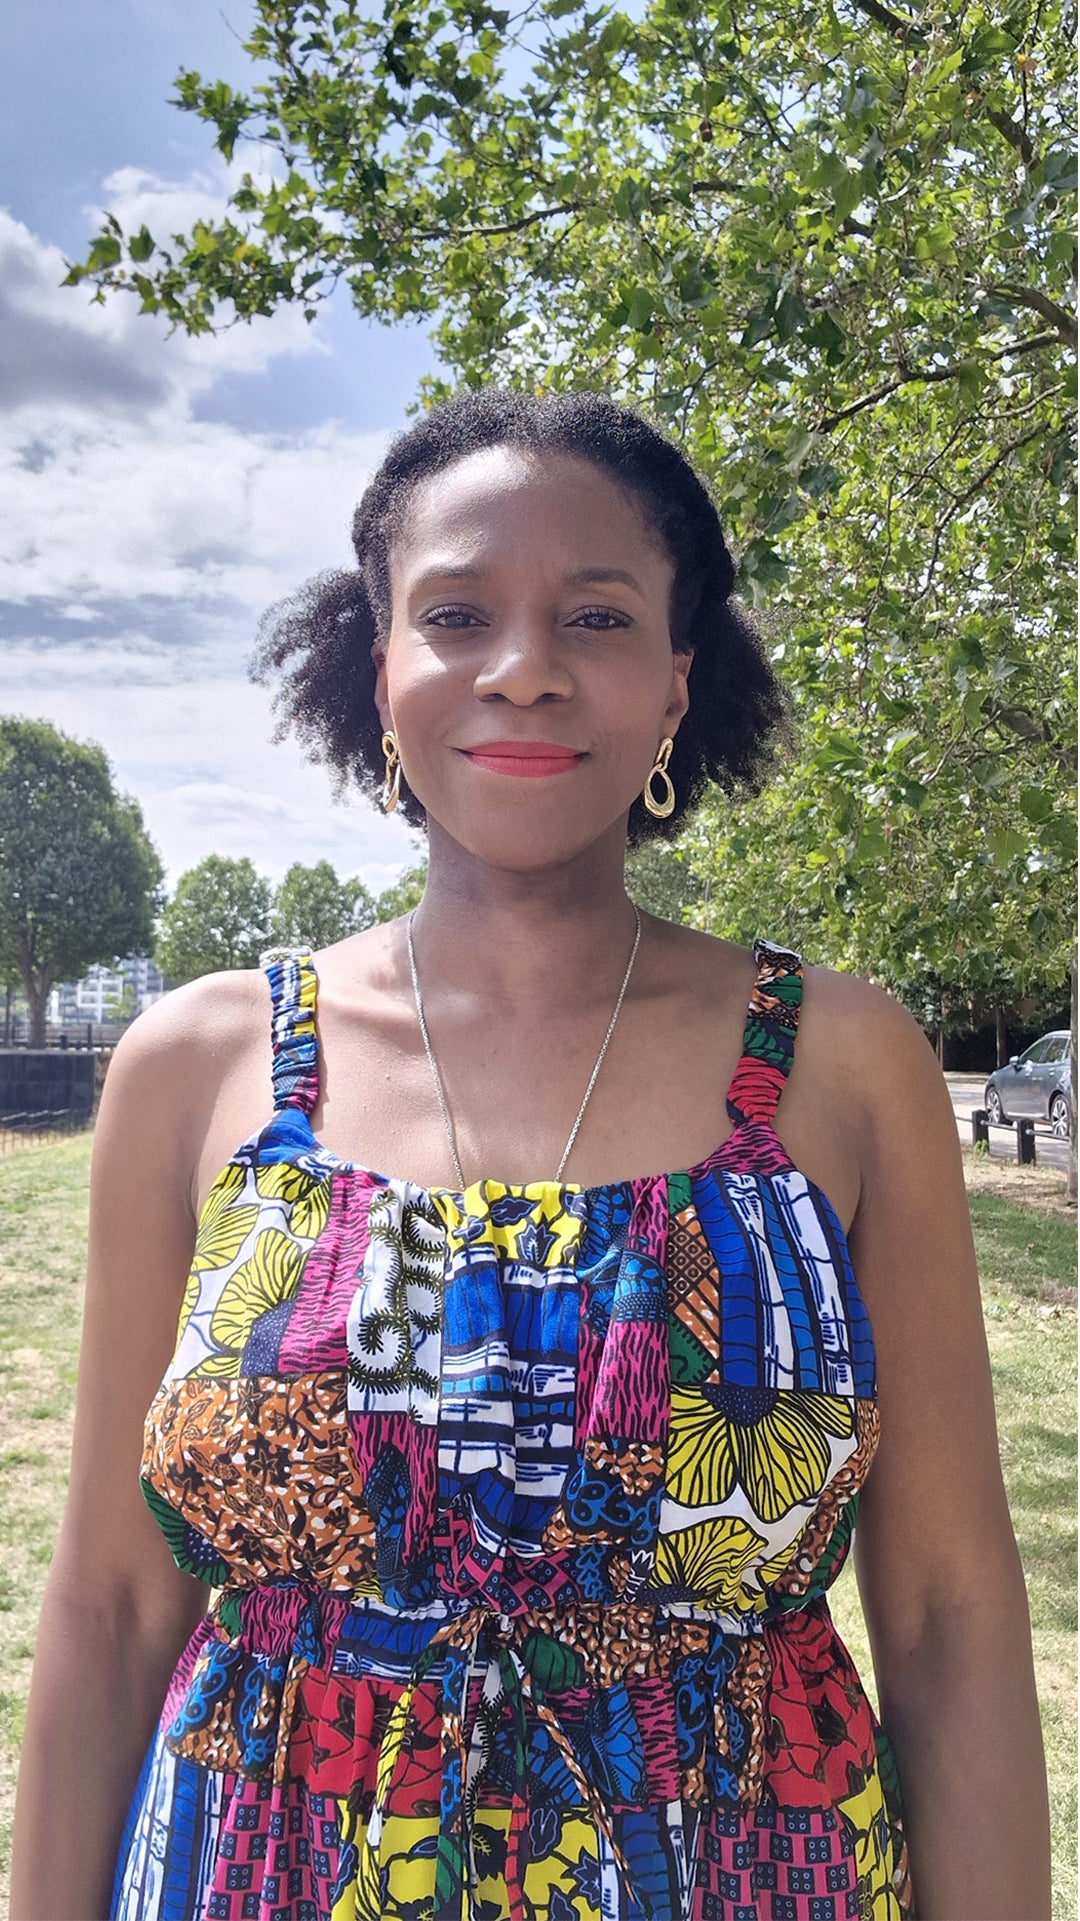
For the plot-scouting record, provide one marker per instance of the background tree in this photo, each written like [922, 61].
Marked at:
[660, 878]
[80, 879]
[403, 893]
[218, 918]
[313, 905]
[119, 1005]
[831, 246]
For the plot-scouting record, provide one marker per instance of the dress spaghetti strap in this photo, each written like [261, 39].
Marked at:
[293, 1035]
[769, 1036]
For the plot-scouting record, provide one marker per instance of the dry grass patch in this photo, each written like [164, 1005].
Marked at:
[1043, 1188]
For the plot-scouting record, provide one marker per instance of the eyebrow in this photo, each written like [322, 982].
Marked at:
[581, 577]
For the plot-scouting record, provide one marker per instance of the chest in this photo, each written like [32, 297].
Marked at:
[643, 1390]
[514, 1090]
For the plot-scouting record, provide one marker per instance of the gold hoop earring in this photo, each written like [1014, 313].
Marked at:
[388, 799]
[661, 808]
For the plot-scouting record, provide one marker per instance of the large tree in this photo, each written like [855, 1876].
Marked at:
[831, 246]
[80, 879]
[403, 893]
[218, 918]
[312, 904]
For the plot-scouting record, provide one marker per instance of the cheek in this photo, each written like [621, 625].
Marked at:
[417, 688]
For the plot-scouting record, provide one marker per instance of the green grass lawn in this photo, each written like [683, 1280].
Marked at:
[1027, 1262]
[1027, 1259]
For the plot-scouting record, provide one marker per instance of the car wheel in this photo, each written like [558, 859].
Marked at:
[1059, 1118]
[993, 1107]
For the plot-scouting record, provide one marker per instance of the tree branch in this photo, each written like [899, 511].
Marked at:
[961, 500]
[903, 29]
[915, 376]
[1014, 134]
[892, 22]
[503, 226]
[1040, 303]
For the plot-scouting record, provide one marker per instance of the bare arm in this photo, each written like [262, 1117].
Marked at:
[936, 1557]
[117, 1611]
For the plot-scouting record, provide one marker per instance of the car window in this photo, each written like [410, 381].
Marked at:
[1056, 1050]
[1032, 1055]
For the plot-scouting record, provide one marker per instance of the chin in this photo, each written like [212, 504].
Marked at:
[521, 847]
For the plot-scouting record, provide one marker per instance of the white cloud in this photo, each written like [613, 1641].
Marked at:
[140, 543]
[189, 507]
[112, 487]
[197, 754]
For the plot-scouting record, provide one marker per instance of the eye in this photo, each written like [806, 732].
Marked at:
[453, 619]
[594, 615]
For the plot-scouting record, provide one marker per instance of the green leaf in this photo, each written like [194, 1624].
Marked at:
[104, 253]
[1058, 168]
[790, 316]
[872, 844]
[820, 479]
[640, 309]
[141, 244]
[757, 328]
[986, 47]
[847, 193]
[1005, 845]
[824, 332]
[1035, 804]
[796, 448]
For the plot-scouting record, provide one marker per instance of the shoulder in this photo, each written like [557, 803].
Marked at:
[869, 1025]
[172, 1059]
[858, 1041]
[200, 1021]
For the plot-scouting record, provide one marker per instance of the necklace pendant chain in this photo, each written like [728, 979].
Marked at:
[437, 1078]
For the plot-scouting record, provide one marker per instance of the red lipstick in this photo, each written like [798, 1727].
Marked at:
[528, 757]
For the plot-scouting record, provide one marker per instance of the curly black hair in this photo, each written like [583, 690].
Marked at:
[319, 640]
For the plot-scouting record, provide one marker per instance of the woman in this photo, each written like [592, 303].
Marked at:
[523, 1492]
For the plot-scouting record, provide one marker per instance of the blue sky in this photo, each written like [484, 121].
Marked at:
[160, 494]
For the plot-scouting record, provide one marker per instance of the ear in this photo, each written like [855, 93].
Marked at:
[679, 700]
[378, 655]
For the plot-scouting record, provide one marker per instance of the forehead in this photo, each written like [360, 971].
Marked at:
[507, 504]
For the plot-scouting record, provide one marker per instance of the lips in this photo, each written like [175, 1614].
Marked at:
[528, 757]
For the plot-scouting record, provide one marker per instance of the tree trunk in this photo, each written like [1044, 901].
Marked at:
[1000, 1038]
[1073, 1128]
[9, 992]
[39, 1007]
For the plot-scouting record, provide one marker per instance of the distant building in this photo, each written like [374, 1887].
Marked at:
[107, 993]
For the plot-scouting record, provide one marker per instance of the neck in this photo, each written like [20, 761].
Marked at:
[543, 939]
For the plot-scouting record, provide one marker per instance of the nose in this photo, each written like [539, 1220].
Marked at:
[524, 663]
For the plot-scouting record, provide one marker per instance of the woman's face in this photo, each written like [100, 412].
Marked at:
[530, 606]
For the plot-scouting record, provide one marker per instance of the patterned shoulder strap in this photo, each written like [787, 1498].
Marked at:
[293, 1035]
[769, 1035]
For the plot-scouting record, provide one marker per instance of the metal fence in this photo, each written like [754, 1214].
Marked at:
[80, 1036]
[32, 1129]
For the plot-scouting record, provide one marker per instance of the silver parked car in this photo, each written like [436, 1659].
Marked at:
[1035, 1084]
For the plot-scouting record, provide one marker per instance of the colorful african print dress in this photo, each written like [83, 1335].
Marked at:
[520, 1505]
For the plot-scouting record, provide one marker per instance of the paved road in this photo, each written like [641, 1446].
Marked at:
[967, 1092]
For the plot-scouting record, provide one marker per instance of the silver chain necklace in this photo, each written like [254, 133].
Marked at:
[436, 1077]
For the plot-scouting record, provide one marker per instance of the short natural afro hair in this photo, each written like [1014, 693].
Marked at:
[318, 642]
